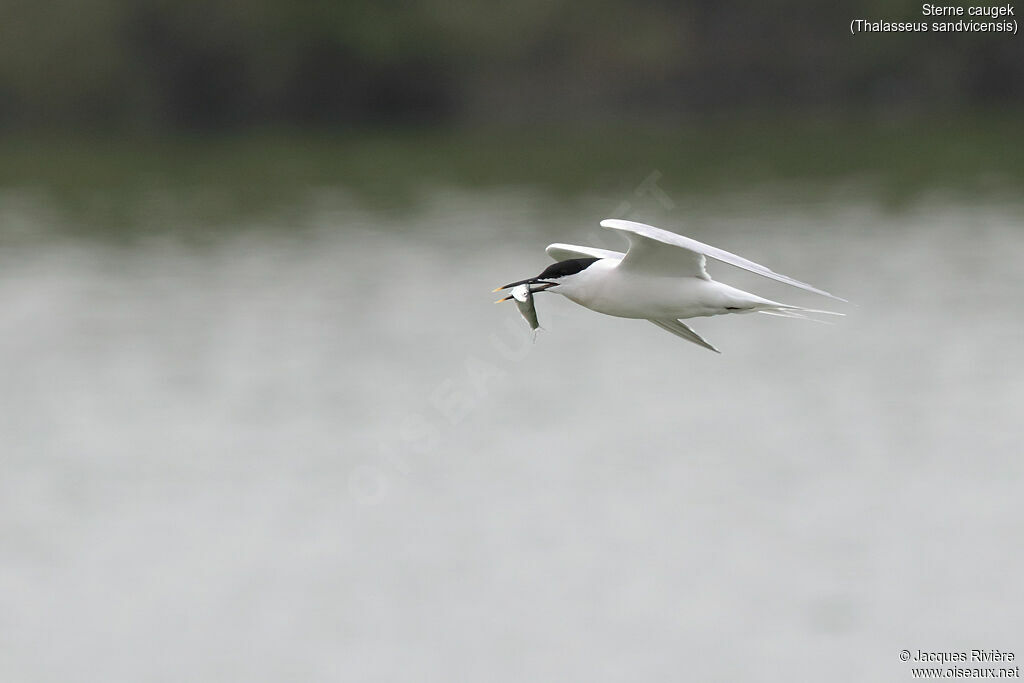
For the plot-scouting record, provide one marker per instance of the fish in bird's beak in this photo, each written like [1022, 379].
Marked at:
[533, 285]
[522, 294]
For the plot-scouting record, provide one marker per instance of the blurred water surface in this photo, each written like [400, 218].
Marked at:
[309, 448]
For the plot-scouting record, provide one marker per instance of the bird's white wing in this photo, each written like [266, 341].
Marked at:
[680, 329]
[563, 252]
[655, 250]
[654, 254]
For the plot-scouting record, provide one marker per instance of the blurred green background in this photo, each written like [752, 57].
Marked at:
[259, 100]
[186, 65]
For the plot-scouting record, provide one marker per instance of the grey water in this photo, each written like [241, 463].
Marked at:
[309, 447]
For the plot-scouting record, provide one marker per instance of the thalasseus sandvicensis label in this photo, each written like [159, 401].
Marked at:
[661, 278]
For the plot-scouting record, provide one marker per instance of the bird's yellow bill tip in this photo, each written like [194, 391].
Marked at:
[497, 289]
[500, 300]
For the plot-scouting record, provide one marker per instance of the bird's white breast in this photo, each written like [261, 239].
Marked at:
[605, 288]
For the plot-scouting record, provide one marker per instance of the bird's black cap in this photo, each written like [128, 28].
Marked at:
[569, 267]
[555, 270]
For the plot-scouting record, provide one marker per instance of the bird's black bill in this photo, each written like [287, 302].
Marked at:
[528, 281]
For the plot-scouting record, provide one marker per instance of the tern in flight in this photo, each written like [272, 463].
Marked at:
[661, 278]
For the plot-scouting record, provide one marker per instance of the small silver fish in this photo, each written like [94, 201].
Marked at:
[523, 296]
[524, 302]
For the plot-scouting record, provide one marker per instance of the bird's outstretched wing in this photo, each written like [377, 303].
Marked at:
[680, 329]
[563, 252]
[652, 254]
[654, 250]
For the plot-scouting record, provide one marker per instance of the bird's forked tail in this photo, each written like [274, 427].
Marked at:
[799, 312]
